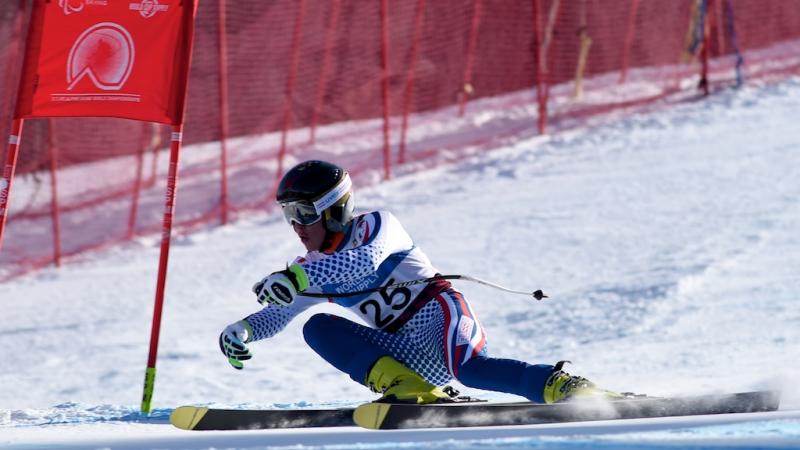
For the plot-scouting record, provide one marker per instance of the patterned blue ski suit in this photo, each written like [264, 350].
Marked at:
[428, 327]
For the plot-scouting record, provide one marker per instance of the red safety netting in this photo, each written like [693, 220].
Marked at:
[380, 87]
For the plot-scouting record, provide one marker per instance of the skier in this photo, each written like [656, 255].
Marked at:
[420, 336]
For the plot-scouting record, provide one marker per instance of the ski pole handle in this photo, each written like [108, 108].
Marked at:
[538, 294]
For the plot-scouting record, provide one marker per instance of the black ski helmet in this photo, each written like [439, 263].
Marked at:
[314, 190]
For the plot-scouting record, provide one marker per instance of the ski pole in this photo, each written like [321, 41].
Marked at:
[538, 294]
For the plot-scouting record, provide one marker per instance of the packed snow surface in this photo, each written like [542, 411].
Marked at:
[668, 241]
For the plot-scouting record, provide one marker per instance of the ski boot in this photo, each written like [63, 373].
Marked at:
[399, 384]
[561, 386]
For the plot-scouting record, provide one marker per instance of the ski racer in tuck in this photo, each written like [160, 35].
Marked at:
[420, 336]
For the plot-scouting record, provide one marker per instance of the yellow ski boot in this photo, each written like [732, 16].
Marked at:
[399, 384]
[561, 386]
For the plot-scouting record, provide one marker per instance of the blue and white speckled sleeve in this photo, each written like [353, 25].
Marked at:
[273, 319]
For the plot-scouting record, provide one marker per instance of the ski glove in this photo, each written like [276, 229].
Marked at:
[232, 343]
[280, 288]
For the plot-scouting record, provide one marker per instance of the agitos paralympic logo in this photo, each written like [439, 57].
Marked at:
[76, 6]
[70, 7]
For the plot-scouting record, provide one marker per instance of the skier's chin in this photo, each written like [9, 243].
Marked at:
[307, 244]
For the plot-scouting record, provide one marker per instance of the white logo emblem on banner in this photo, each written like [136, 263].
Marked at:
[75, 6]
[71, 6]
[147, 8]
[104, 53]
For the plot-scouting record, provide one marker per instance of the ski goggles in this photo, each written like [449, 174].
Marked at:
[302, 213]
[305, 213]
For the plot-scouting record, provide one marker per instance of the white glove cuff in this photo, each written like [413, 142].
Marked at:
[240, 330]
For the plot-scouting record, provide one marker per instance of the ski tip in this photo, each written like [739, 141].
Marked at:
[371, 415]
[187, 417]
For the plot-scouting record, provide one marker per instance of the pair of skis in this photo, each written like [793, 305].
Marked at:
[465, 414]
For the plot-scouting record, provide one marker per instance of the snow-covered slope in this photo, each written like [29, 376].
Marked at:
[668, 242]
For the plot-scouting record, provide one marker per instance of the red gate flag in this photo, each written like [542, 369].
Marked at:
[107, 58]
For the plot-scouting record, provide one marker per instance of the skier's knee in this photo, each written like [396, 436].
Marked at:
[316, 328]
